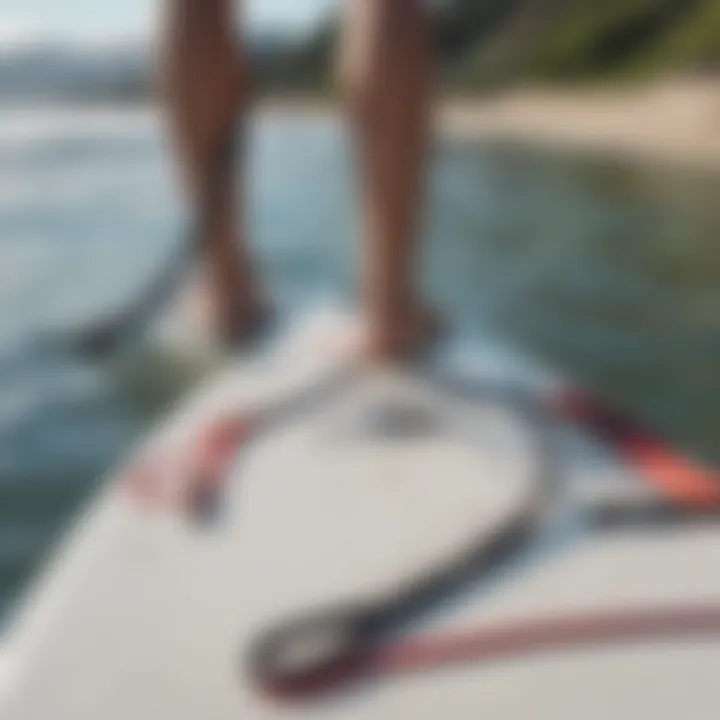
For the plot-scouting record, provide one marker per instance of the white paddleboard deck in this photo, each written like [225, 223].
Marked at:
[146, 615]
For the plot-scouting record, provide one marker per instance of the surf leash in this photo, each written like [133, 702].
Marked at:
[334, 648]
[337, 647]
[362, 656]
[323, 650]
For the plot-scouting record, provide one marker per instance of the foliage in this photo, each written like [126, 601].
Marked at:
[483, 44]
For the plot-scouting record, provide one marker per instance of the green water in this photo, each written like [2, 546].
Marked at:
[610, 269]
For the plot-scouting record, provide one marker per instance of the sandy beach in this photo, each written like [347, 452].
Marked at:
[677, 120]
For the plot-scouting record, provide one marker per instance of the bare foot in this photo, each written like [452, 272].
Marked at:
[228, 318]
[404, 335]
[352, 337]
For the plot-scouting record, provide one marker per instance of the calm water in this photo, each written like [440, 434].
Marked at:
[610, 270]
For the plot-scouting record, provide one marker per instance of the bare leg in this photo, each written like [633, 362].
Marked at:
[387, 73]
[205, 88]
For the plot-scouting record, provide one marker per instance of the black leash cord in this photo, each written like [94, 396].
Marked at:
[325, 650]
[315, 653]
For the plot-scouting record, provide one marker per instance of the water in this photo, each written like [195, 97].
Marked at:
[609, 269]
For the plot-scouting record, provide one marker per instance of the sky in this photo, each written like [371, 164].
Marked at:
[21, 20]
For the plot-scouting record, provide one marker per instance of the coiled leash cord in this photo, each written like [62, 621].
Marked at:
[329, 649]
[322, 650]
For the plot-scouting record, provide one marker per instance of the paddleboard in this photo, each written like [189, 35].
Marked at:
[150, 611]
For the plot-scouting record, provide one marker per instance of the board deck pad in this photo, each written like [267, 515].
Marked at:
[148, 615]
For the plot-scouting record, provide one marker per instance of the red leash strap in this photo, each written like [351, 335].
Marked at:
[511, 640]
[209, 452]
[677, 477]
[212, 454]
[209, 459]
[139, 480]
[215, 449]
[542, 634]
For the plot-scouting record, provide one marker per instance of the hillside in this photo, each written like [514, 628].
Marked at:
[489, 43]
[482, 44]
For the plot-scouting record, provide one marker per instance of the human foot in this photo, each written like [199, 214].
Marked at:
[228, 317]
[402, 335]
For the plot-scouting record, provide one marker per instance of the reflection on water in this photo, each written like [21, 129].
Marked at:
[609, 269]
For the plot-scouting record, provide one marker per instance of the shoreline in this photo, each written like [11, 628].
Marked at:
[675, 121]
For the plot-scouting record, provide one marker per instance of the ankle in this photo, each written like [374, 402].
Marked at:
[404, 330]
